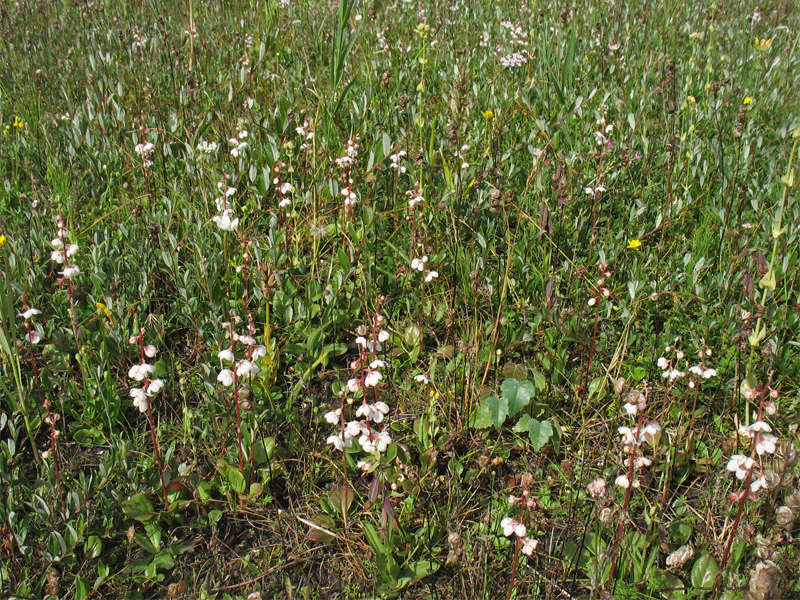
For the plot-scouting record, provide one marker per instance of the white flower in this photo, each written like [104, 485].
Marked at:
[155, 386]
[57, 256]
[419, 263]
[57, 242]
[757, 484]
[72, 249]
[332, 417]
[650, 431]
[431, 275]
[529, 546]
[225, 377]
[139, 372]
[421, 379]
[592, 301]
[361, 341]
[377, 364]
[226, 355]
[33, 336]
[766, 443]
[383, 335]
[259, 351]
[150, 351]
[513, 527]
[629, 436]
[247, 340]
[71, 271]
[353, 385]
[29, 313]
[662, 363]
[246, 368]
[353, 428]
[384, 439]
[623, 481]
[372, 378]
[631, 408]
[740, 465]
[339, 443]
[224, 221]
[139, 399]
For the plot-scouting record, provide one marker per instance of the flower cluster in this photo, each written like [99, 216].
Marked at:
[421, 265]
[64, 250]
[145, 151]
[205, 147]
[513, 60]
[632, 439]
[762, 442]
[284, 187]
[519, 37]
[31, 334]
[396, 158]
[307, 133]
[670, 371]
[414, 198]
[141, 373]
[602, 291]
[239, 368]
[601, 136]
[238, 143]
[372, 410]
[516, 528]
[225, 219]
[345, 163]
[350, 155]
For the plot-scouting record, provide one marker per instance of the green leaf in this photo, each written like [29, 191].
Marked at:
[81, 588]
[518, 394]
[673, 588]
[139, 507]
[492, 411]
[539, 382]
[387, 566]
[232, 476]
[540, 432]
[93, 546]
[522, 424]
[704, 572]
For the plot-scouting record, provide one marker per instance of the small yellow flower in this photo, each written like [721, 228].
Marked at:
[3, 240]
[763, 44]
[105, 311]
[747, 100]
[18, 123]
[488, 115]
[634, 244]
[695, 35]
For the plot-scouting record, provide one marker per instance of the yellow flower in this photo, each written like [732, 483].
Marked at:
[747, 100]
[763, 44]
[3, 240]
[634, 244]
[488, 115]
[104, 309]
[19, 123]
[695, 35]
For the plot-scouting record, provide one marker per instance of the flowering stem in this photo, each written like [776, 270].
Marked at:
[742, 502]
[516, 553]
[626, 502]
[50, 416]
